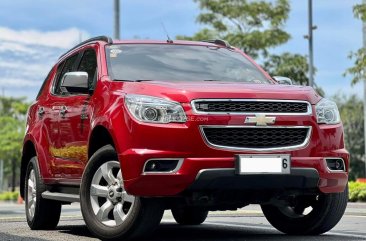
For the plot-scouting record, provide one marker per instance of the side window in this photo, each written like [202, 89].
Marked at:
[89, 64]
[64, 68]
[44, 84]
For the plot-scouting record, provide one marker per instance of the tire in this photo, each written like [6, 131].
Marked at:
[327, 211]
[189, 216]
[108, 211]
[41, 213]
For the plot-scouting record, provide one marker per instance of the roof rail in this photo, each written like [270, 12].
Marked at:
[99, 38]
[219, 42]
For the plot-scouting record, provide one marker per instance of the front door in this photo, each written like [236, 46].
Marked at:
[74, 128]
[74, 122]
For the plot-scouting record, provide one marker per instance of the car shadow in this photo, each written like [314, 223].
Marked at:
[174, 232]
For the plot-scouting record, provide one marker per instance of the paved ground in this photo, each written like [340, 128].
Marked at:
[245, 224]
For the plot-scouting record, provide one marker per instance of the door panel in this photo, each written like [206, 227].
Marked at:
[49, 116]
[74, 127]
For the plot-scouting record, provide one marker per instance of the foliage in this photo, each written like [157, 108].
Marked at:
[358, 70]
[359, 11]
[357, 191]
[351, 111]
[12, 122]
[9, 196]
[359, 57]
[293, 66]
[253, 26]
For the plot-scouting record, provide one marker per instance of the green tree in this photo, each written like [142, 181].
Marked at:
[12, 122]
[253, 26]
[351, 110]
[357, 71]
[293, 66]
[359, 10]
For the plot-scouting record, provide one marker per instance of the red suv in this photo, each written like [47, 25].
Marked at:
[132, 128]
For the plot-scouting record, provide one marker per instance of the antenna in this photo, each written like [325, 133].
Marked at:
[170, 41]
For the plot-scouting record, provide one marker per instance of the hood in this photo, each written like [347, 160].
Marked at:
[186, 91]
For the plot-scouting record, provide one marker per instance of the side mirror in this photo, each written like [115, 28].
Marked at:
[75, 82]
[283, 80]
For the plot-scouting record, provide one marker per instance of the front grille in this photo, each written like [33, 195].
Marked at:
[256, 138]
[250, 106]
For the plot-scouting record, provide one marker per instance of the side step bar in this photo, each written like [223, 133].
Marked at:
[59, 196]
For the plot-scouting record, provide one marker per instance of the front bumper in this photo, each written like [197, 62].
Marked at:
[306, 173]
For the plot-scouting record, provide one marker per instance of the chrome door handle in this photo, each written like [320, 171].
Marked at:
[41, 111]
[63, 111]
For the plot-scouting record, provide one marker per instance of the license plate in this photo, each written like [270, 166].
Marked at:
[263, 164]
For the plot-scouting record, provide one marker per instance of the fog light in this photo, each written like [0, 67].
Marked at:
[151, 166]
[335, 164]
[338, 165]
[162, 165]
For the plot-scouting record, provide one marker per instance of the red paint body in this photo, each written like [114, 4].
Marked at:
[136, 142]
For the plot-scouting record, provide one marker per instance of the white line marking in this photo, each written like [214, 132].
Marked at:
[347, 235]
[241, 226]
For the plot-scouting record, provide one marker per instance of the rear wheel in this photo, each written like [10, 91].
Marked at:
[108, 210]
[308, 215]
[189, 216]
[41, 213]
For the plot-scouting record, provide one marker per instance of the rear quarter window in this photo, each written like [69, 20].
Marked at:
[44, 83]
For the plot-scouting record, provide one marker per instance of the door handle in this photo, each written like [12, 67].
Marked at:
[63, 111]
[41, 112]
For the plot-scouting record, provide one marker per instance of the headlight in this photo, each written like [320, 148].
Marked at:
[327, 112]
[154, 110]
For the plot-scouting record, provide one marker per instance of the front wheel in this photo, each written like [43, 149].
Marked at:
[109, 211]
[308, 215]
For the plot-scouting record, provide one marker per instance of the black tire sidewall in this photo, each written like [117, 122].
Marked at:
[325, 218]
[47, 212]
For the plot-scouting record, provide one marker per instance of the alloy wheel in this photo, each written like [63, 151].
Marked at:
[109, 200]
[31, 194]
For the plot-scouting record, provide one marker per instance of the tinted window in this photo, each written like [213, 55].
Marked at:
[64, 68]
[180, 63]
[89, 64]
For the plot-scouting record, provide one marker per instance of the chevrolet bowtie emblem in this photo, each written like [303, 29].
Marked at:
[260, 120]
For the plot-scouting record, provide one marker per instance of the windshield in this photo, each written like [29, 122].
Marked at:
[169, 62]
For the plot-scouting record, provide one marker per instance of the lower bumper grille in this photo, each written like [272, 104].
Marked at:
[256, 138]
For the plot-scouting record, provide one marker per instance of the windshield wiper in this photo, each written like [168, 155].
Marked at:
[212, 80]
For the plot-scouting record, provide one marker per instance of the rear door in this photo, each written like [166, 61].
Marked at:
[47, 124]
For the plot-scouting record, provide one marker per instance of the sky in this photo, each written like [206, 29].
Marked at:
[33, 34]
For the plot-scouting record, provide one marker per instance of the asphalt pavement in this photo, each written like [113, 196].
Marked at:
[245, 224]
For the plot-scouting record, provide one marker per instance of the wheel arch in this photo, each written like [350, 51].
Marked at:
[99, 137]
[29, 151]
